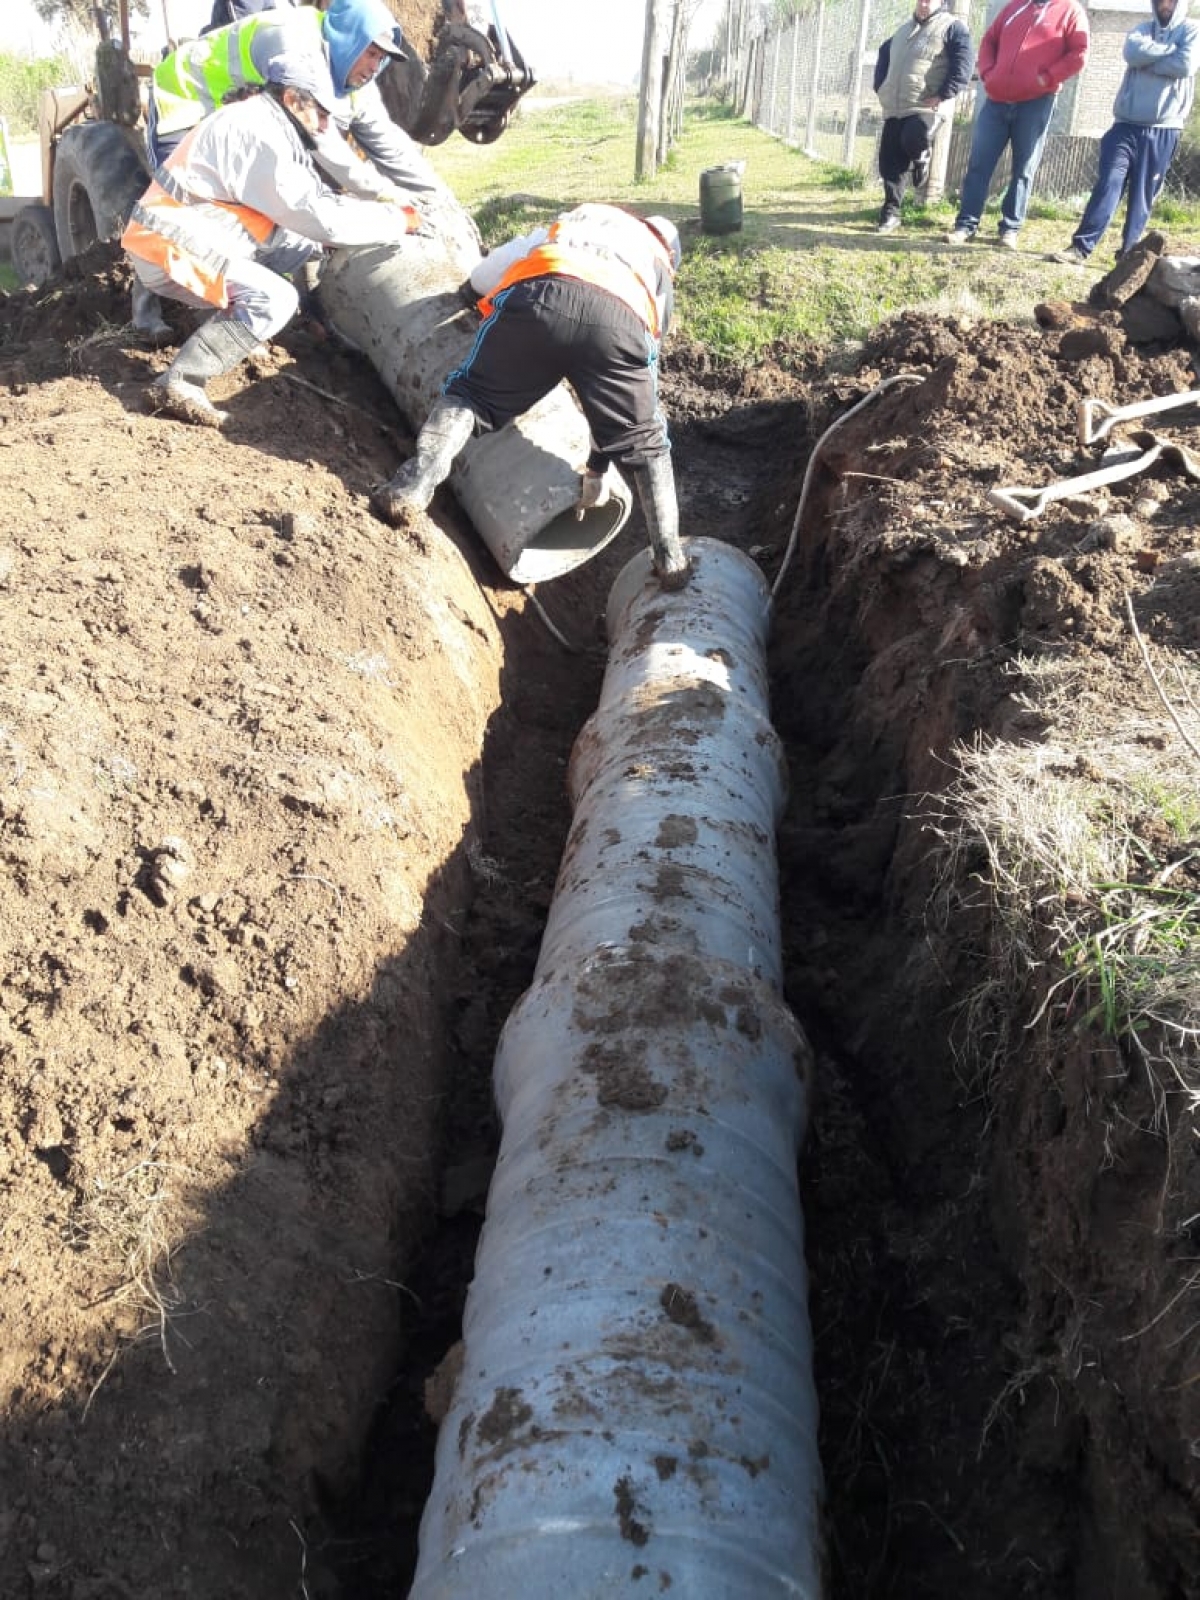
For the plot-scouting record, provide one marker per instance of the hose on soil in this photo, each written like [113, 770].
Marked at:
[898, 377]
[537, 605]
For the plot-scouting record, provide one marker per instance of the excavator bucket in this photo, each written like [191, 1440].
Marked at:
[475, 78]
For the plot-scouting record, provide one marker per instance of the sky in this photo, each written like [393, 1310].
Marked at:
[596, 42]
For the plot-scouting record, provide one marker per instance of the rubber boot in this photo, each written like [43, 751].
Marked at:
[447, 429]
[654, 481]
[217, 346]
[147, 315]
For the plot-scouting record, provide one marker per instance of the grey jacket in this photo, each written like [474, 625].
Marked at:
[1160, 72]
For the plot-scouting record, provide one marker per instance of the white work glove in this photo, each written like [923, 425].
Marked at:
[593, 491]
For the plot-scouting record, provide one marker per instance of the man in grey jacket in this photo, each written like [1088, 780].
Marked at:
[1152, 107]
[918, 73]
[357, 38]
[233, 212]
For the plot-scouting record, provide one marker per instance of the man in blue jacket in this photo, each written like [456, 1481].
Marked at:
[1152, 106]
[918, 73]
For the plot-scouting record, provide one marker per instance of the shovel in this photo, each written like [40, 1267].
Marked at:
[1095, 419]
[1025, 504]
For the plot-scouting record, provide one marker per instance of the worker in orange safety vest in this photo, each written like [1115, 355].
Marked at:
[587, 299]
[361, 150]
[235, 208]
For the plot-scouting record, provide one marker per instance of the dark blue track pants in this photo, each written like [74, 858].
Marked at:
[1133, 160]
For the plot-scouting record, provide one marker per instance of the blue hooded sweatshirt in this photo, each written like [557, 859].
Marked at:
[349, 27]
[1160, 72]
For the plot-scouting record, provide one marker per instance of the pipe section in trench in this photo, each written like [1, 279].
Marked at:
[635, 1411]
[404, 309]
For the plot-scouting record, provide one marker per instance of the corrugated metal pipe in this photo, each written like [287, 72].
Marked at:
[635, 1412]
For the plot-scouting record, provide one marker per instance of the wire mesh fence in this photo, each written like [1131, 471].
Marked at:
[809, 81]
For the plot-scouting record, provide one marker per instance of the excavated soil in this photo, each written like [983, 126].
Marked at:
[281, 803]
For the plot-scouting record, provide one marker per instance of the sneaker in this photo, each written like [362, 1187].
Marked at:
[1007, 241]
[888, 225]
[1072, 256]
[920, 170]
[959, 236]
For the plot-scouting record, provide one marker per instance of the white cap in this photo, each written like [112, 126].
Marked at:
[669, 234]
[391, 42]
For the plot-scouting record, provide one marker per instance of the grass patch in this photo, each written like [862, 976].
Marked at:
[1087, 847]
[806, 269]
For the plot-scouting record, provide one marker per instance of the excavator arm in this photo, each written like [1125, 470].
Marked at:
[475, 77]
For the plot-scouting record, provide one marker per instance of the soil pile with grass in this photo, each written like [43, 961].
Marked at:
[281, 802]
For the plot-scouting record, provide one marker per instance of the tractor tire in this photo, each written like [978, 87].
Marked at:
[34, 246]
[98, 174]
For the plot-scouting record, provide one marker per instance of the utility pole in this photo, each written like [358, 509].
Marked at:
[650, 96]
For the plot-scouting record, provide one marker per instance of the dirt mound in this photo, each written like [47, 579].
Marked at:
[259, 931]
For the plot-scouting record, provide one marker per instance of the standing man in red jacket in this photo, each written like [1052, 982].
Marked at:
[1028, 52]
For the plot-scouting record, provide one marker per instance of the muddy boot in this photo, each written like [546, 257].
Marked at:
[217, 346]
[447, 428]
[147, 316]
[654, 481]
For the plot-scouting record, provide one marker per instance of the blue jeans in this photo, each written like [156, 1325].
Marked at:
[1133, 159]
[1022, 125]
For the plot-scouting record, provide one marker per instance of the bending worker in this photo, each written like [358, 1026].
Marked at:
[587, 299]
[238, 205]
[358, 38]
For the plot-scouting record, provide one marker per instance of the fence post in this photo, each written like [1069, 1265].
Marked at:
[773, 114]
[853, 108]
[791, 104]
[944, 137]
[814, 86]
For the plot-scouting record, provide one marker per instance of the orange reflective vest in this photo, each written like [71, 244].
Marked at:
[163, 230]
[590, 266]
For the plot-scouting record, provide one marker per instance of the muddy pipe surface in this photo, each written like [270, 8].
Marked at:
[403, 307]
[635, 1411]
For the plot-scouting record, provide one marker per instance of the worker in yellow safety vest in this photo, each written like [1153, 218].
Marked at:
[587, 299]
[233, 210]
[358, 39]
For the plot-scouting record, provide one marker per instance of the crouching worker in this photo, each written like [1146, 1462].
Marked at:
[237, 206]
[587, 299]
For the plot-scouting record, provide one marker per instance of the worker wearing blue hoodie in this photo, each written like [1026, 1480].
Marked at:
[358, 38]
[1162, 57]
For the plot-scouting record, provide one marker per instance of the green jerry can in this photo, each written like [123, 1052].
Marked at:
[721, 198]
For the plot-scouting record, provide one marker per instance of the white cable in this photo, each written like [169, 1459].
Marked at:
[899, 377]
[541, 611]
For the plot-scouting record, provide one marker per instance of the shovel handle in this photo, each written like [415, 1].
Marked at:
[1013, 503]
[1024, 504]
[1095, 418]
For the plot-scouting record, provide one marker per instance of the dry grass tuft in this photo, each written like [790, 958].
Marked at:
[129, 1222]
[1086, 847]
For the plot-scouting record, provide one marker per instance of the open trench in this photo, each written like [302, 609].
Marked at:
[931, 1488]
